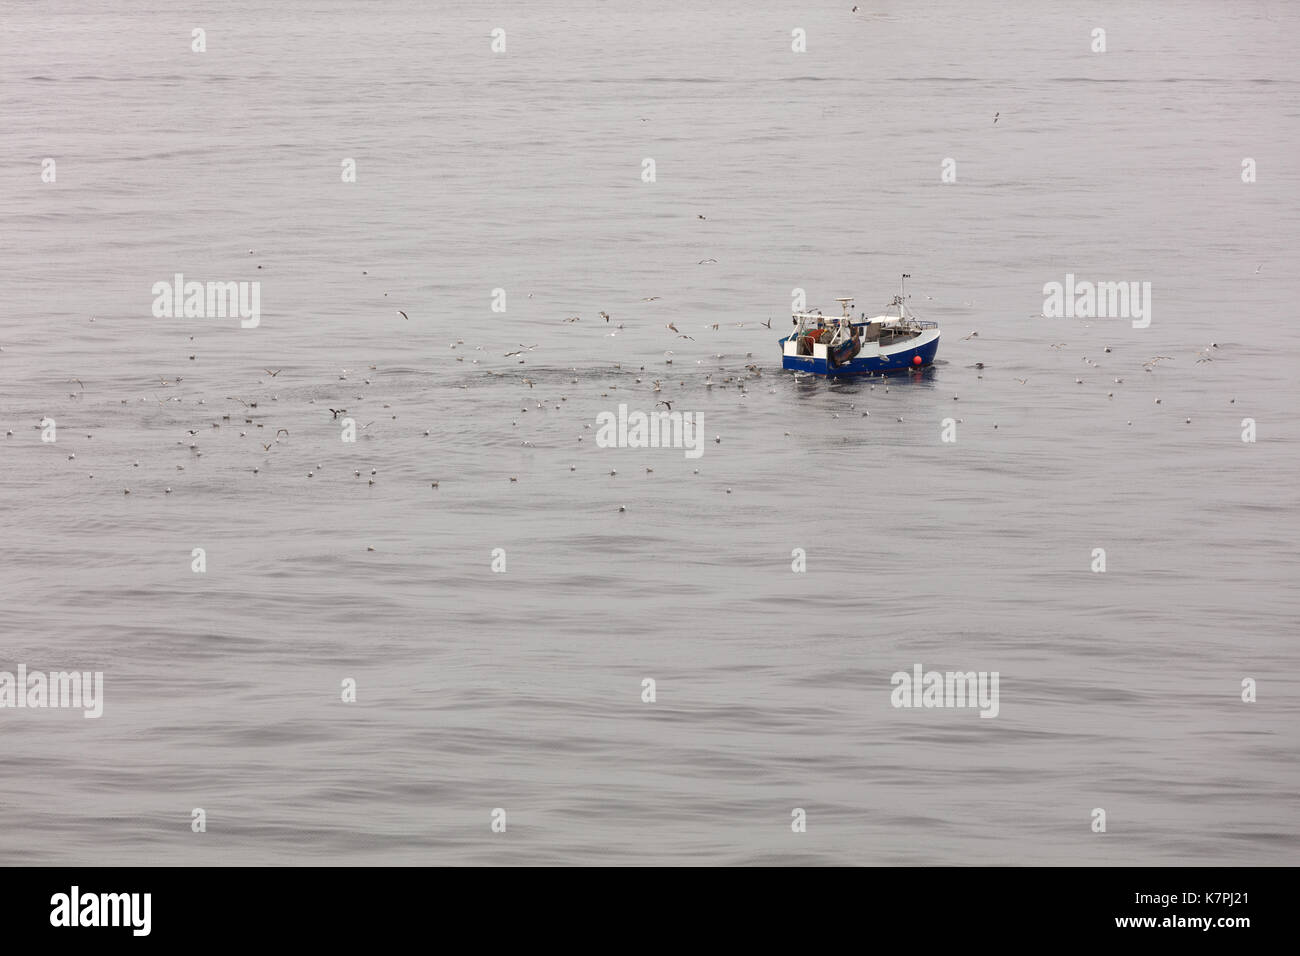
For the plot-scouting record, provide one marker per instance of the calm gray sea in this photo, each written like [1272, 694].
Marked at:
[522, 171]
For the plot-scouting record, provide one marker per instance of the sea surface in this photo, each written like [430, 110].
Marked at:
[522, 690]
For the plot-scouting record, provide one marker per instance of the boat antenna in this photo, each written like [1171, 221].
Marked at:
[902, 299]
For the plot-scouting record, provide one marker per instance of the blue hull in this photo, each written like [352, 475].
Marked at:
[861, 365]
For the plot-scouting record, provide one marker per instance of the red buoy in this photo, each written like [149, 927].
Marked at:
[916, 360]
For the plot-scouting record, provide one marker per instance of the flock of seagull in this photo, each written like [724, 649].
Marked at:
[753, 371]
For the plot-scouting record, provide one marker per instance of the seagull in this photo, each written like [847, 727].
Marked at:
[703, 261]
[651, 298]
[698, 216]
[668, 404]
[336, 412]
[265, 446]
[971, 336]
[673, 327]
[277, 433]
[1258, 267]
[270, 373]
[995, 118]
[768, 323]
[605, 316]
[1022, 381]
[403, 315]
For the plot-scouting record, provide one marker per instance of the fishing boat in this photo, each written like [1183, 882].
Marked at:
[843, 345]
